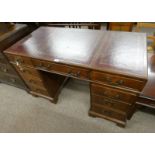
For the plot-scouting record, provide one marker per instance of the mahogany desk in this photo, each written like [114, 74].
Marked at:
[115, 64]
[147, 96]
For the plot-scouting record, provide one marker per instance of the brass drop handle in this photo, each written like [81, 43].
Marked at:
[106, 101]
[40, 65]
[117, 83]
[78, 74]
[18, 61]
[70, 73]
[120, 82]
[49, 65]
[108, 79]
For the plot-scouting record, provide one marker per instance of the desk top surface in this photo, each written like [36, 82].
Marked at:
[117, 52]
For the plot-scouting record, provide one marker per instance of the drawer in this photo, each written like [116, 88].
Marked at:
[9, 79]
[31, 80]
[114, 93]
[6, 68]
[62, 69]
[34, 83]
[107, 102]
[20, 60]
[108, 113]
[116, 80]
[25, 71]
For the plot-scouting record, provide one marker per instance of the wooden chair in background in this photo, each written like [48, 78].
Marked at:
[88, 25]
[120, 26]
[141, 25]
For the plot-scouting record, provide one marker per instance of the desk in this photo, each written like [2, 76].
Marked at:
[114, 63]
[8, 36]
[147, 96]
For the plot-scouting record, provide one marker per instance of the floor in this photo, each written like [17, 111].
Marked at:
[21, 112]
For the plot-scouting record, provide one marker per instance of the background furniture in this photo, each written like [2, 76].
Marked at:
[99, 57]
[140, 26]
[147, 96]
[120, 26]
[10, 33]
[87, 25]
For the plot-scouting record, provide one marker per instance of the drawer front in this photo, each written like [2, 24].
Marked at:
[108, 113]
[25, 71]
[107, 102]
[7, 69]
[62, 69]
[12, 80]
[116, 80]
[32, 80]
[34, 83]
[19, 60]
[113, 93]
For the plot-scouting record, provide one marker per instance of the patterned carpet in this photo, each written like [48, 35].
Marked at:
[21, 112]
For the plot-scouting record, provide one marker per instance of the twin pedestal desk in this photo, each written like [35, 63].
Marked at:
[114, 63]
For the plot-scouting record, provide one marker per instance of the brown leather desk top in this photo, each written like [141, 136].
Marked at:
[116, 52]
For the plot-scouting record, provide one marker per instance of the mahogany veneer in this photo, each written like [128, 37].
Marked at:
[115, 64]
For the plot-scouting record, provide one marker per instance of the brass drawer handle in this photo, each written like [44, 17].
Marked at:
[41, 65]
[78, 74]
[117, 96]
[19, 60]
[117, 83]
[108, 79]
[120, 82]
[108, 102]
[70, 73]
